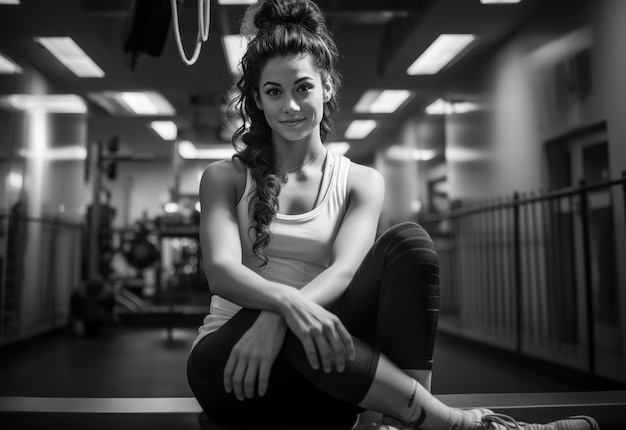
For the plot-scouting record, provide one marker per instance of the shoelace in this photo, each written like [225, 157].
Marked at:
[510, 423]
[505, 421]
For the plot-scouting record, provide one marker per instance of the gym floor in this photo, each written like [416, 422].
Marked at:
[131, 361]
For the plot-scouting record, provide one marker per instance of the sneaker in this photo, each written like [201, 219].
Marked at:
[505, 422]
[389, 423]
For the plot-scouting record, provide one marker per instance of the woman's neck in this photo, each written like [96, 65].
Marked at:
[291, 154]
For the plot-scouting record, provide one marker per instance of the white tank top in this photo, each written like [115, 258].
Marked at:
[300, 244]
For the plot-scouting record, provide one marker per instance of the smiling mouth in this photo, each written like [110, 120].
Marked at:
[292, 121]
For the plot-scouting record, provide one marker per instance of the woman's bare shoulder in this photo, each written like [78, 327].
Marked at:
[224, 174]
[364, 177]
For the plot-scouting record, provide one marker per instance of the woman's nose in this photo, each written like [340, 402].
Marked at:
[291, 105]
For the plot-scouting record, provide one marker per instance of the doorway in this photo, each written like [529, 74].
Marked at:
[582, 159]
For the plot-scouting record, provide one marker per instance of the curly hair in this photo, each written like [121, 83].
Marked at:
[275, 28]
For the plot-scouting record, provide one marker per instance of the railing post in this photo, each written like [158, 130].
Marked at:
[52, 271]
[4, 232]
[517, 250]
[584, 216]
[624, 189]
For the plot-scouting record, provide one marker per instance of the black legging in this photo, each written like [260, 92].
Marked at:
[390, 307]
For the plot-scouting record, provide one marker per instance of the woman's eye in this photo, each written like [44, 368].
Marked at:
[272, 92]
[305, 88]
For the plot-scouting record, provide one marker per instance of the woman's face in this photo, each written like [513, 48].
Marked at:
[291, 95]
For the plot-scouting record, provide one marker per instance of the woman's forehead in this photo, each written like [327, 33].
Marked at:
[289, 69]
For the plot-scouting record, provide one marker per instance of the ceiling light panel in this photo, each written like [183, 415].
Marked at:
[499, 1]
[360, 128]
[71, 56]
[440, 53]
[8, 67]
[386, 101]
[167, 130]
[57, 103]
[149, 103]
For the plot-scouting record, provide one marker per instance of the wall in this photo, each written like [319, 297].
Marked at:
[536, 87]
[44, 188]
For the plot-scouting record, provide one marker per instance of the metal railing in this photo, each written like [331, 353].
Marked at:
[537, 273]
[40, 265]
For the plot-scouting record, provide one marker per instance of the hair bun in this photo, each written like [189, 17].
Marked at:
[267, 15]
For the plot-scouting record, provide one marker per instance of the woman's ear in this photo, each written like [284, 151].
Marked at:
[328, 90]
[257, 100]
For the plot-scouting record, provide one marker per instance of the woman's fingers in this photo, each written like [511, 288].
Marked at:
[338, 350]
[346, 341]
[238, 379]
[236, 375]
[310, 350]
[323, 348]
[229, 370]
[264, 376]
[326, 342]
[250, 379]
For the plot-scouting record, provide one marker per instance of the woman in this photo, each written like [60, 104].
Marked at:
[312, 320]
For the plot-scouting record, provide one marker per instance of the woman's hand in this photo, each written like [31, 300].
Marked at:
[250, 361]
[322, 334]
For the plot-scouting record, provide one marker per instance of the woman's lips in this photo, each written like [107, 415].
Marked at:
[292, 122]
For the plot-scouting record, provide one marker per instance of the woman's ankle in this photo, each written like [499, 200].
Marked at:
[424, 377]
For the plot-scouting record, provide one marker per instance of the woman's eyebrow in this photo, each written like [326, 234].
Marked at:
[271, 83]
[297, 81]
[305, 78]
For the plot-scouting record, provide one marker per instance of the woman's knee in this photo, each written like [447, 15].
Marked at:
[410, 240]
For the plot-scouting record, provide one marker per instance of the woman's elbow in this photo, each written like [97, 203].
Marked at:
[215, 275]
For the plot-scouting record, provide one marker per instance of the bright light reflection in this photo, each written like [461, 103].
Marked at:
[440, 53]
[360, 128]
[234, 48]
[16, 180]
[338, 147]
[171, 207]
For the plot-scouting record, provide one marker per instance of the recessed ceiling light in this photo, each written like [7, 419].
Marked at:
[7, 66]
[140, 103]
[499, 1]
[72, 56]
[9, 1]
[440, 53]
[167, 130]
[133, 103]
[52, 103]
[386, 101]
[360, 128]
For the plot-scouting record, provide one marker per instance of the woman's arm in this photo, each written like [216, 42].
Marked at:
[221, 186]
[355, 237]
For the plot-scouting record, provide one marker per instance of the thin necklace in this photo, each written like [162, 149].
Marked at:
[284, 177]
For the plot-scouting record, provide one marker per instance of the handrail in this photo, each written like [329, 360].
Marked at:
[550, 195]
[522, 271]
[43, 220]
